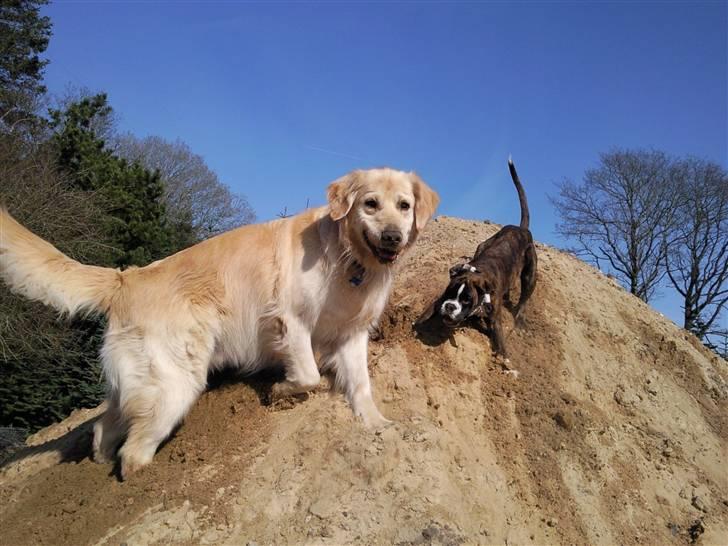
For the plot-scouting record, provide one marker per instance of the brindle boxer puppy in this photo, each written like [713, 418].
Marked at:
[479, 289]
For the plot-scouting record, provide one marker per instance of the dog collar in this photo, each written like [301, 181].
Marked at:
[481, 305]
[358, 274]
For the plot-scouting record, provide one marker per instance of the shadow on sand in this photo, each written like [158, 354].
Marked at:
[76, 445]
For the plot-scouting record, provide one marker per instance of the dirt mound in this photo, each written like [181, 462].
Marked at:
[614, 432]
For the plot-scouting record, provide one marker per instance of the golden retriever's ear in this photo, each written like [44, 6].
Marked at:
[341, 195]
[426, 201]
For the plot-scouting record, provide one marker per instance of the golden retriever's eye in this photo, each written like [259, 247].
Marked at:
[404, 205]
[371, 203]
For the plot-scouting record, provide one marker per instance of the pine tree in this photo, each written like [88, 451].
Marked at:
[136, 219]
[24, 36]
[48, 368]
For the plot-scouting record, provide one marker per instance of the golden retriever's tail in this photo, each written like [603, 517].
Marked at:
[525, 216]
[37, 270]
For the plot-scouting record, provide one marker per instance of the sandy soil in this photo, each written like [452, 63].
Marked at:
[614, 432]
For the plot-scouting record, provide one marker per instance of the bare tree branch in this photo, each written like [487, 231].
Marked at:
[696, 255]
[193, 192]
[621, 212]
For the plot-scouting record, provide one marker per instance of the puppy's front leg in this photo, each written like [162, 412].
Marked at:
[499, 342]
[491, 327]
[349, 363]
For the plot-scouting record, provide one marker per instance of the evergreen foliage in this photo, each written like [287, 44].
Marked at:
[24, 36]
[135, 219]
[72, 190]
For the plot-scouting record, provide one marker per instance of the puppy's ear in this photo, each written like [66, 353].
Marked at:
[426, 314]
[462, 268]
[484, 297]
[479, 285]
[341, 194]
[426, 201]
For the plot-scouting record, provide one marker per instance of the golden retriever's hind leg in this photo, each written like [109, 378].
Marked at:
[349, 364]
[109, 431]
[155, 405]
[302, 374]
[153, 414]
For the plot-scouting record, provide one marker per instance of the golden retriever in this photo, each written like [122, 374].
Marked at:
[260, 294]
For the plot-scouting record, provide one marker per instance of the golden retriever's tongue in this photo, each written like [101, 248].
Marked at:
[388, 255]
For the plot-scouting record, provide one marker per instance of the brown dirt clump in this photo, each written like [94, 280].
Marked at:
[615, 431]
[76, 499]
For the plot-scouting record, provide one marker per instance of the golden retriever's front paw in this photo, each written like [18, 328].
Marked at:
[371, 417]
[377, 422]
[285, 395]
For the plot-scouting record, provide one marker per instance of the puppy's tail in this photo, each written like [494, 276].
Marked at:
[525, 216]
[36, 269]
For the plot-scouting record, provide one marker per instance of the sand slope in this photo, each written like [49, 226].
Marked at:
[615, 432]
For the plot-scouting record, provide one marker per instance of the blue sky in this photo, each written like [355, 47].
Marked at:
[282, 98]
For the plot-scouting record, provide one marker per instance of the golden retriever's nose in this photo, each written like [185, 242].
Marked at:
[391, 238]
